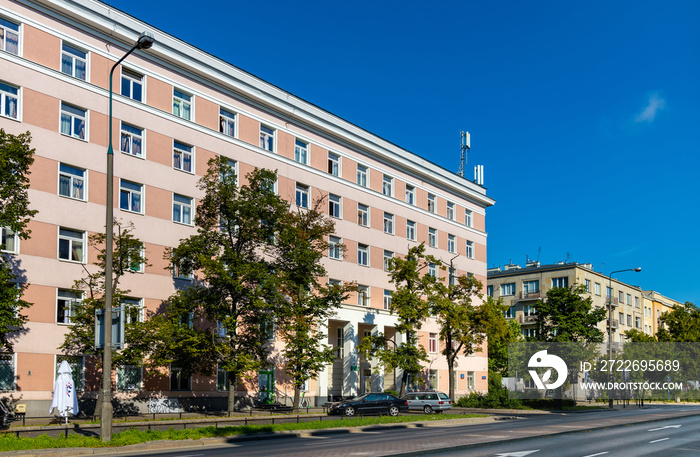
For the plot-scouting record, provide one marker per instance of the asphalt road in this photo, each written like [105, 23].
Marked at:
[504, 438]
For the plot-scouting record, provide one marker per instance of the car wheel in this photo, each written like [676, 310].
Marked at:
[349, 411]
[393, 411]
[427, 409]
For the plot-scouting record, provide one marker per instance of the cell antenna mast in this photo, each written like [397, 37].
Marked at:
[464, 150]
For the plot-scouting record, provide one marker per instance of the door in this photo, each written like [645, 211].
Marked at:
[367, 374]
[266, 386]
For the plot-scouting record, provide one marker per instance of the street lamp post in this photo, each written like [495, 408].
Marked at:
[610, 321]
[144, 41]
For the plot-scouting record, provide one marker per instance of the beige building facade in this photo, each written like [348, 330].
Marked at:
[176, 107]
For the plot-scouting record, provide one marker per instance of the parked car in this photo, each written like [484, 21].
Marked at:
[5, 415]
[428, 401]
[370, 403]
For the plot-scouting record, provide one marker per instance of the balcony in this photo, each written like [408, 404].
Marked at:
[614, 323]
[523, 319]
[530, 295]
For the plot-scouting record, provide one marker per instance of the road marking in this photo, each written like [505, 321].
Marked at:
[656, 441]
[663, 428]
[190, 455]
[517, 454]
[593, 455]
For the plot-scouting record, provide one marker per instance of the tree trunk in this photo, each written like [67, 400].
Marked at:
[297, 398]
[404, 381]
[231, 391]
[451, 374]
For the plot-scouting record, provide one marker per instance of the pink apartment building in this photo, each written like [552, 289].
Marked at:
[175, 107]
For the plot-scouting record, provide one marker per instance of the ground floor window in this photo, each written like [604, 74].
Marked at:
[76, 364]
[471, 384]
[129, 378]
[178, 381]
[221, 379]
[7, 372]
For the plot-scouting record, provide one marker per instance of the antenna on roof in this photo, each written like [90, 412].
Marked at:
[464, 150]
[538, 253]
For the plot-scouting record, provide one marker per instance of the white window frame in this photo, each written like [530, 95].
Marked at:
[387, 299]
[508, 289]
[363, 295]
[432, 270]
[410, 194]
[335, 249]
[470, 249]
[301, 151]
[388, 223]
[74, 56]
[530, 287]
[362, 175]
[388, 255]
[227, 123]
[432, 203]
[74, 181]
[181, 154]
[596, 287]
[335, 206]
[8, 234]
[10, 96]
[74, 114]
[432, 343]
[469, 218]
[132, 78]
[363, 215]
[72, 240]
[72, 300]
[7, 31]
[432, 237]
[450, 211]
[560, 279]
[452, 244]
[301, 195]
[267, 138]
[387, 185]
[182, 102]
[181, 210]
[333, 164]
[411, 230]
[363, 255]
[131, 136]
[130, 193]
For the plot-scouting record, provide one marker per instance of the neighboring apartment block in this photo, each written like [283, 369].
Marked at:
[520, 288]
[176, 107]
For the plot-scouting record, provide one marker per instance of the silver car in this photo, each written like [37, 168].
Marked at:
[428, 401]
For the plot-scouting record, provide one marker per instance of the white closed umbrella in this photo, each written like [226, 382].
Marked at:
[65, 399]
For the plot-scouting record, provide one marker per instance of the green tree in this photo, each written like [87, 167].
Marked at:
[128, 257]
[682, 324]
[410, 304]
[500, 332]
[237, 287]
[16, 157]
[302, 241]
[566, 316]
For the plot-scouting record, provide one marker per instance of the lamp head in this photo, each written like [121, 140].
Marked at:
[145, 41]
[638, 269]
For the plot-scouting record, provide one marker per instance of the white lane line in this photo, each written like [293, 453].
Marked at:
[656, 441]
[664, 428]
[593, 455]
[190, 455]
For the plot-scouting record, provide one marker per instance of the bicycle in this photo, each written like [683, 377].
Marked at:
[304, 403]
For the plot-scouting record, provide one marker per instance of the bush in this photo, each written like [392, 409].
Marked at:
[392, 392]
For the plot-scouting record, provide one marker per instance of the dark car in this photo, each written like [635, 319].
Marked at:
[370, 403]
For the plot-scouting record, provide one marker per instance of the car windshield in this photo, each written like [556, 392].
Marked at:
[359, 397]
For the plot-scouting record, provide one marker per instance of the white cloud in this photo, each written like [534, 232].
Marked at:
[654, 105]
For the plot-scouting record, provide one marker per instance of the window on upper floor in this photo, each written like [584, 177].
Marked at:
[130, 196]
[227, 122]
[489, 291]
[636, 302]
[387, 299]
[334, 206]
[335, 247]
[362, 172]
[74, 62]
[388, 255]
[410, 195]
[333, 164]
[432, 342]
[301, 151]
[9, 101]
[71, 245]
[411, 230]
[621, 297]
[131, 140]
[363, 295]
[470, 249]
[73, 121]
[596, 288]
[432, 270]
[587, 285]
[508, 289]
[452, 244]
[451, 211]
[182, 104]
[182, 209]
[133, 310]
[302, 196]
[72, 182]
[432, 237]
[452, 276]
[388, 223]
[132, 85]
[530, 287]
[362, 215]
[66, 304]
[560, 282]
[629, 299]
[388, 185]
[510, 312]
[363, 255]
[432, 205]
[267, 138]
[183, 156]
[468, 218]
[180, 272]
[9, 241]
[9, 36]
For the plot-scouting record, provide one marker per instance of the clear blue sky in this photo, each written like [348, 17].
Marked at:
[586, 115]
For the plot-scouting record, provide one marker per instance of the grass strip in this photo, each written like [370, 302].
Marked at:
[9, 442]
